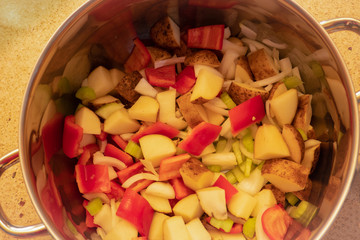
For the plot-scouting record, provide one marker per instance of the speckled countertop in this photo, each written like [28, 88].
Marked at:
[25, 28]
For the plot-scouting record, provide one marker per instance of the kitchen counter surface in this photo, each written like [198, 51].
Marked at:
[25, 28]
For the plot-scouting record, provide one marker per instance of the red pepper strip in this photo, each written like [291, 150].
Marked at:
[92, 178]
[208, 37]
[140, 185]
[135, 209]
[169, 167]
[139, 57]
[117, 192]
[51, 135]
[89, 220]
[161, 77]
[223, 183]
[119, 141]
[185, 80]
[112, 151]
[103, 135]
[276, 221]
[200, 137]
[124, 174]
[93, 148]
[181, 190]
[156, 128]
[72, 136]
[85, 157]
[246, 113]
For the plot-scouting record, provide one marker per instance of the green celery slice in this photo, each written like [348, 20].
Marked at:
[134, 150]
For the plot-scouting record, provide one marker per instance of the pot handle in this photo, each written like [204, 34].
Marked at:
[6, 162]
[343, 24]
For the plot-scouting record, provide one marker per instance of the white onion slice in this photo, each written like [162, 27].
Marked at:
[311, 143]
[268, 87]
[169, 61]
[102, 196]
[228, 64]
[227, 33]
[227, 83]
[258, 45]
[138, 177]
[87, 139]
[226, 129]
[126, 136]
[182, 134]
[149, 166]
[295, 72]
[227, 45]
[248, 32]
[216, 109]
[112, 173]
[102, 145]
[99, 158]
[144, 88]
[268, 114]
[270, 80]
[217, 102]
[285, 65]
[275, 55]
[274, 44]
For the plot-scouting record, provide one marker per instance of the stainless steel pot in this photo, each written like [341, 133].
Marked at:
[109, 26]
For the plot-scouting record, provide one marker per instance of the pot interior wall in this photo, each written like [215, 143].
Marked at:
[101, 33]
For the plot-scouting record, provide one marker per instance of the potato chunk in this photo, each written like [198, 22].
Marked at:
[127, 85]
[240, 92]
[196, 175]
[203, 57]
[286, 175]
[262, 65]
[166, 33]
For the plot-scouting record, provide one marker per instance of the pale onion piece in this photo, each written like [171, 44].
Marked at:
[226, 129]
[228, 145]
[90, 196]
[269, 115]
[295, 72]
[144, 88]
[149, 166]
[285, 65]
[209, 149]
[138, 177]
[112, 173]
[169, 61]
[87, 139]
[126, 136]
[248, 32]
[216, 109]
[227, 33]
[311, 143]
[275, 55]
[236, 219]
[41, 179]
[260, 233]
[99, 158]
[227, 83]
[85, 83]
[274, 44]
[248, 154]
[101, 232]
[258, 45]
[182, 134]
[252, 48]
[270, 80]
[218, 103]
[228, 64]
[102, 145]
[268, 87]
[113, 208]
[252, 184]
[229, 46]
[198, 67]
[321, 55]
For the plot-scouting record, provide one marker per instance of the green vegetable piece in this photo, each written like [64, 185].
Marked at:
[106, 110]
[85, 94]
[227, 224]
[317, 69]
[248, 142]
[239, 175]
[220, 146]
[304, 212]
[303, 134]
[214, 168]
[230, 177]
[249, 227]
[292, 82]
[215, 223]
[260, 165]
[291, 198]
[248, 167]
[227, 100]
[71, 227]
[94, 206]
[79, 107]
[237, 152]
[134, 150]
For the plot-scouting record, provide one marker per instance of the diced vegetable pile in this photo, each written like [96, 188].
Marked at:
[202, 135]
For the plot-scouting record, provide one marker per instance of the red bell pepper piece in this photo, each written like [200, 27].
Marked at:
[51, 135]
[246, 113]
[72, 137]
[223, 183]
[275, 222]
[200, 137]
[103, 135]
[208, 37]
[112, 151]
[139, 57]
[119, 141]
[89, 220]
[140, 185]
[135, 209]
[93, 148]
[161, 77]
[181, 190]
[185, 80]
[156, 128]
[92, 178]
[117, 191]
[85, 157]
[169, 167]
[124, 174]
